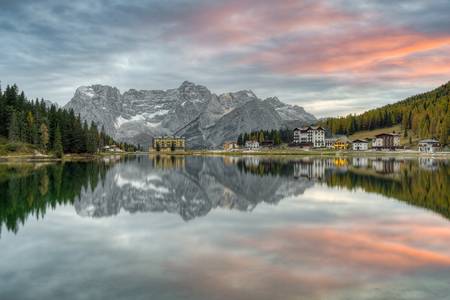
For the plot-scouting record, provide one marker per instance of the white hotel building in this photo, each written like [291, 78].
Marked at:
[313, 136]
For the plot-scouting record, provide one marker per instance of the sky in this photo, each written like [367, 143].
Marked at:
[331, 57]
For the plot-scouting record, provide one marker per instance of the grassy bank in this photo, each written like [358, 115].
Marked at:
[302, 152]
[368, 134]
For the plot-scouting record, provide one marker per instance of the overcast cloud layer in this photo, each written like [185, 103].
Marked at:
[332, 57]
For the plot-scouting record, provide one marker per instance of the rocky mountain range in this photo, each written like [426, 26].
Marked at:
[204, 118]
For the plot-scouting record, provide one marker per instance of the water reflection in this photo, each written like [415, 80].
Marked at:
[318, 229]
[190, 187]
[193, 186]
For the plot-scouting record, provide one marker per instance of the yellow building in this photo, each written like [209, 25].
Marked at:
[169, 143]
[340, 145]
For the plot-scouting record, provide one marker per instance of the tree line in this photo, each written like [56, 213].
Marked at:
[278, 137]
[49, 128]
[426, 115]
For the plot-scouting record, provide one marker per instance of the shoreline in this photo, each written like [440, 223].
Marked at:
[267, 152]
[327, 153]
[67, 157]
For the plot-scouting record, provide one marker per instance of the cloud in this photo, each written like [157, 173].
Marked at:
[303, 51]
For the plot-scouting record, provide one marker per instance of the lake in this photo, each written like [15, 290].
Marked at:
[161, 227]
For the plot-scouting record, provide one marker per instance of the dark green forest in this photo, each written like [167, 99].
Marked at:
[276, 136]
[48, 129]
[426, 115]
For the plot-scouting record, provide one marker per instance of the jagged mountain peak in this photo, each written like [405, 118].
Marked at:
[186, 84]
[97, 90]
[274, 101]
[191, 110]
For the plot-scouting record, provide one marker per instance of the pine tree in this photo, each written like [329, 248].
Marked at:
[261, 137]
[57, 146]
[13, 132]
[91, 140]
[277, 138]
[443, 138]
[29, 132]
[240, 139]
[43, 130]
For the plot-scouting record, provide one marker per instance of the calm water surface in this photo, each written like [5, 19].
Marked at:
[226, 228]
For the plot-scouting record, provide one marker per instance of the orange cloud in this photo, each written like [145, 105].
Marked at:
[361, 53]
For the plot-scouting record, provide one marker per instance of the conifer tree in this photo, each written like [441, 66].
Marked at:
[29, 128]
[277, 138]
[261, 137]
[13, 133]
[44, 138]
[57, 146]
[443, 138]
[91, 141]
[240, 140]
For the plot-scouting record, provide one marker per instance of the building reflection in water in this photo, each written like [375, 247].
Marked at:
[167, 162]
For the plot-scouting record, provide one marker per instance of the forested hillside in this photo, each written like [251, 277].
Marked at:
[276, 136]
[47, 128]
[425, 115]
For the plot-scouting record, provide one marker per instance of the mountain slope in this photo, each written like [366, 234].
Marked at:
[190, 110]
[425, 115]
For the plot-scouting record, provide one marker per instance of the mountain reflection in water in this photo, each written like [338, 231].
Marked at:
[193, 186]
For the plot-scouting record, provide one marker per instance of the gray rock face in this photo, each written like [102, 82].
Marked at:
[204, 118]
[290, 112]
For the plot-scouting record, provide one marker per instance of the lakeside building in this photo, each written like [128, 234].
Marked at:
[230, 146]
[112, 148]
[429, 146]
[329, 142]
[267, 143]
[342, 143]
[169, 143]
[386, 141]
[360, 145]
[310, 136]
[252, 144]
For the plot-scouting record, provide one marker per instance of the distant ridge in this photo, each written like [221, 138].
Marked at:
[204, 118]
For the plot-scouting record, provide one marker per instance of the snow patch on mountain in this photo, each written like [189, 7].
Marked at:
[204, 118]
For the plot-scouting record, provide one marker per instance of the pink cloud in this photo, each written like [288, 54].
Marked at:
[249, 22]
[315, 38]
[358, 52]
